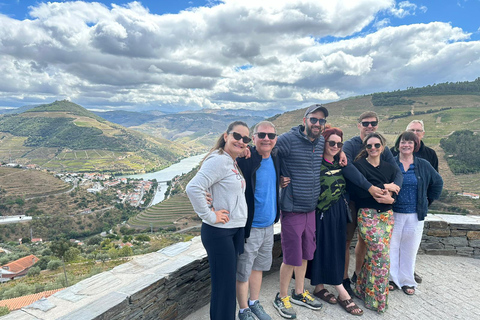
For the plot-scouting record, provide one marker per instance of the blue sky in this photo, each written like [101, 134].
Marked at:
[230, 54]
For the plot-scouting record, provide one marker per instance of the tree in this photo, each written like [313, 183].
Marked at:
[71, 254]
[33, 271]
[59, 248]
[54, 264]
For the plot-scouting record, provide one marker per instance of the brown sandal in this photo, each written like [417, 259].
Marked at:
[325, 296]
[345, 303]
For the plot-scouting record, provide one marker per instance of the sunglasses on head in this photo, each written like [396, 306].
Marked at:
[366, 123]
[315, 120]
[262, 135]
[376, 145]
[238, 136]
[333, 143]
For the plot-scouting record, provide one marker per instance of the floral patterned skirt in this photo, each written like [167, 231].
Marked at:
[372, 283]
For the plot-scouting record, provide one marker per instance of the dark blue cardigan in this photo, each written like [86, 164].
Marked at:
[249, 169]
[430, 185]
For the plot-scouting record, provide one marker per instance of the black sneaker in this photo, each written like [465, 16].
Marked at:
[306, 299]
[354, 278]
[347, 285]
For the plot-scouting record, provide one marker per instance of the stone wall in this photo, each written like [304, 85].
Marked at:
[451, 235]
[175, 281]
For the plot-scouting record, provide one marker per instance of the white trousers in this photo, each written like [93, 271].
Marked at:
[406, 237]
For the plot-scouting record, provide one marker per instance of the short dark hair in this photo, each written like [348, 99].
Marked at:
[368, 114]
[408, 136]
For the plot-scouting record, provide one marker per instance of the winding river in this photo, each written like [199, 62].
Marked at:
[168, 174]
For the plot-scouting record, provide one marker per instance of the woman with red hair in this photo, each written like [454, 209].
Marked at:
[332, 215]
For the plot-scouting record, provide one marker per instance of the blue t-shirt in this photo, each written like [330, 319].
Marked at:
[407, 197]
[265, 195]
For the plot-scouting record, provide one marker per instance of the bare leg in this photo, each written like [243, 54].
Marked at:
[286, 272]
[343, 295]
[242, 294]
[360, 251]
[300, 277]
[347, 259]
[255, 283]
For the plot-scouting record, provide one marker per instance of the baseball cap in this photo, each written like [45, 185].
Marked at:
[316, 107]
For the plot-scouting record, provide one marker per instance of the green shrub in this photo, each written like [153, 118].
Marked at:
[54, 264]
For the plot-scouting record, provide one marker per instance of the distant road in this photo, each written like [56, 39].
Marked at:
[14, 219]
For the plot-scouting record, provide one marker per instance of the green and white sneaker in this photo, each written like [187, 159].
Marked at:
[305, 299]
[284, 307]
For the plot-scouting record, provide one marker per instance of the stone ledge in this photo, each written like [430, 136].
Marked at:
[175, 281]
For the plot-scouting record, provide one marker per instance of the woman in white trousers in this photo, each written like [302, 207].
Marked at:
[421, 185]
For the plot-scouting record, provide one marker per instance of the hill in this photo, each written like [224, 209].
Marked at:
[64, 136]
[196, 131]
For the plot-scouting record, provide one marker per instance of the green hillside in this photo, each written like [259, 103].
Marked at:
[64, 136]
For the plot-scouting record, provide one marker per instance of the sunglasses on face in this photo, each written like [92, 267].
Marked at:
[366, 123]
[333, 143]
[320, 121]
[262, 135]
[238, 136]
[376, 145]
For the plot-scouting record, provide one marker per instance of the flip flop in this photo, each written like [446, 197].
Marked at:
[326, 296]
[392, 286]
[405, 288]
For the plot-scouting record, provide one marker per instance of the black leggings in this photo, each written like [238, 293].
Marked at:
[223, 247]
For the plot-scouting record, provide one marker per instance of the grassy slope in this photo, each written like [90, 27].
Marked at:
[119, 149]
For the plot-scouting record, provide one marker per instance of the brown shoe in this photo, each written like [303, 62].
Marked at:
[351, 309]
[326, 296]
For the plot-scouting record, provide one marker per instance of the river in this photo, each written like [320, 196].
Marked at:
[168, 174]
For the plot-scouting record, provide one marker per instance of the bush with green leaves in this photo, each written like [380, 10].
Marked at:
[33, 271]
[54, 264]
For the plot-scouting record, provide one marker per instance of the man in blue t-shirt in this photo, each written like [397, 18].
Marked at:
[262, 173]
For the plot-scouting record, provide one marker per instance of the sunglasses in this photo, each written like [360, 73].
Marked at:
[333, 143]
[366, 123]
[376, 145]
[262, 135]
[238, 136]
[320, 121]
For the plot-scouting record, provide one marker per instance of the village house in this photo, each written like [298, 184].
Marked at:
[17, 268]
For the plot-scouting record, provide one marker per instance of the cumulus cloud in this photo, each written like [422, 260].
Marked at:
[228, 54]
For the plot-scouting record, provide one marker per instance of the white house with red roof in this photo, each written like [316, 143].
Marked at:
[17, 268]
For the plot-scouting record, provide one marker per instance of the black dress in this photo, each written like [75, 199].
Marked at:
[328, 262]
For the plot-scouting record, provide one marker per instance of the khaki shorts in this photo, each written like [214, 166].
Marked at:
[257, 253]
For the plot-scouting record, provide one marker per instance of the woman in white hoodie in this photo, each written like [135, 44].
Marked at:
[223, 221]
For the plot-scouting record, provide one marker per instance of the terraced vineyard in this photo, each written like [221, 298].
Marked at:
[164, 214]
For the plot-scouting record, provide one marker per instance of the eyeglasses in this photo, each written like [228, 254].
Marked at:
[415, 130]
[376, 145]
[366, 123]
[262, 135]
[238, 136]
[315, 120]
[332, 143]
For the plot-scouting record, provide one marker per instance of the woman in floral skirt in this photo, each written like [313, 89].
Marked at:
[375, 222]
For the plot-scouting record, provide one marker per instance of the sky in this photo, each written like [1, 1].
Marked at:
[269, 54]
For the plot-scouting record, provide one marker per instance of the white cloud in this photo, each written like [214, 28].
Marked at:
[127, 56]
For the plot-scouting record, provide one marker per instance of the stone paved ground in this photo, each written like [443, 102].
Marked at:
[450, 290]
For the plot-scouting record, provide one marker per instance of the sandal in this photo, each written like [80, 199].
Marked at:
[326, 296]
[392, 286]
[352, 308]
[406, 288]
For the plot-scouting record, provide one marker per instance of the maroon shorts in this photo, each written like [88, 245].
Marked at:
[298, 237]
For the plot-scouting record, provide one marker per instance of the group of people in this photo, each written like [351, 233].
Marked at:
[320, 189]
